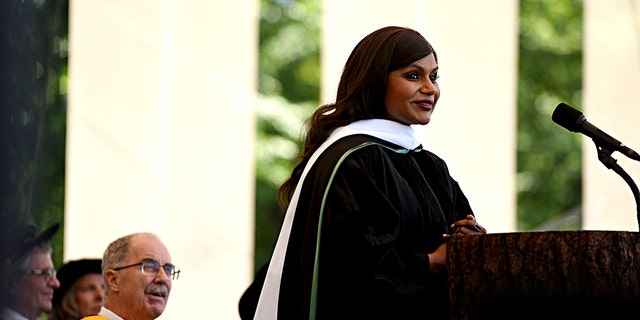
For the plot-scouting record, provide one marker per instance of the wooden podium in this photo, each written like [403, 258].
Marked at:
[544, 275]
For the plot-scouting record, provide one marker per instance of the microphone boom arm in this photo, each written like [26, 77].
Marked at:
[604, 155]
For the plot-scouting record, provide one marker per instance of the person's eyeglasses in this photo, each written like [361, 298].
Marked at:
[152, 267]
[46, 273]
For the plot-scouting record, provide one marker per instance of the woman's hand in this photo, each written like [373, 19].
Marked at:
[467, 226]
[438, 258]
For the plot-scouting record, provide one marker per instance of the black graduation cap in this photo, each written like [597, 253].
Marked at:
[22, 239]
[71, 272]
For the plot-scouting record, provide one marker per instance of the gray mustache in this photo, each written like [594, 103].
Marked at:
[157, 288]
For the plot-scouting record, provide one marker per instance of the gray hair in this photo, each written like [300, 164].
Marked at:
[118, 251]
[21, 263]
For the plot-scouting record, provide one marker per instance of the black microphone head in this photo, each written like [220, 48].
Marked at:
[567, 117]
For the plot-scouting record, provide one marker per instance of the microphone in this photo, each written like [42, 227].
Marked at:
[573, 120]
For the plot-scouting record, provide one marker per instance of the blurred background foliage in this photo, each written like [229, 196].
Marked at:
[549, 165]
[289, 87]
[34, 60]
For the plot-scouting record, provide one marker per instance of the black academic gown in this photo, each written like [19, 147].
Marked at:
[383, 209]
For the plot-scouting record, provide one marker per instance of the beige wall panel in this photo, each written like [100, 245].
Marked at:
[161, 133]
[612, 103]
[473, 128]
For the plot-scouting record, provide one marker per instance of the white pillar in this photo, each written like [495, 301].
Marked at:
[474, 126]
[612, 103]
[160, 138]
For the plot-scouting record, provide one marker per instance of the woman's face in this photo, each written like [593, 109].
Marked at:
[89, 294]
[412, 92]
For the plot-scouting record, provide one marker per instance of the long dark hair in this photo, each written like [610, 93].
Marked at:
[361, 91]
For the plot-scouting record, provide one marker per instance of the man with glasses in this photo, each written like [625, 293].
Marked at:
[27, 275]
[137, 273]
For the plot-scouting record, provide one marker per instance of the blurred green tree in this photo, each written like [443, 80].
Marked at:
[549, 180]
[289, 87]
[33, 38]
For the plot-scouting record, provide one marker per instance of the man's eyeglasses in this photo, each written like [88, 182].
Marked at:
[151, 267]
[46, 273]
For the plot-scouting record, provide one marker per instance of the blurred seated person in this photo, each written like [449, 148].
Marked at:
[27, 275]
[81, 290]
